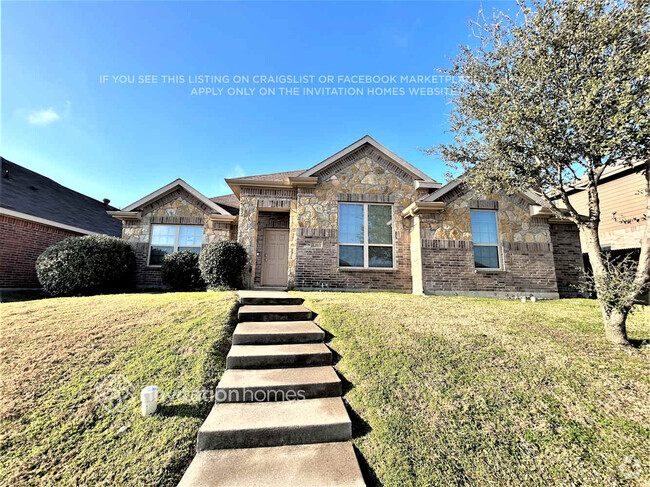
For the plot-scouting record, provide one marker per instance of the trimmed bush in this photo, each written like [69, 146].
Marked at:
[222, 264]
[94, 264]
[180, 271]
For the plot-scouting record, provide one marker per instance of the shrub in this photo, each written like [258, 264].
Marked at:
[180, 271]
[222, 264]
[93, 264]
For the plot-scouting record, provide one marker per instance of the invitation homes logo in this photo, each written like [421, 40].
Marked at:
[115, 393]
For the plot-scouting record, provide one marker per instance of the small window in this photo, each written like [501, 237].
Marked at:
[365, 235]
[166, 239]
[486, 240]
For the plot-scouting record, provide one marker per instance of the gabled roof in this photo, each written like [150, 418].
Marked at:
[229, 202]
[171, 187]
[25, 192]
[415, 172]
[273, 177]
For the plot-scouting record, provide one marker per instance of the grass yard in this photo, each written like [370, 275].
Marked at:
[455, 391]
[55, 353]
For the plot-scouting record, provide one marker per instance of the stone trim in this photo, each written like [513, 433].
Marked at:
[484, 204]
[365, 198]
[275, 193]
[495, 294]
[433, 243]
[370, 153]
[175, 220]
[317, 232]
[526, 246]
[273, 203]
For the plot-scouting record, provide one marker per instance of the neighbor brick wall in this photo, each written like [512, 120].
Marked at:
[448, 268]
[21, 244]
[567, 255]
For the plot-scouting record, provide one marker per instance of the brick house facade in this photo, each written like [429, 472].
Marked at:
[37, 212]
[365, 219]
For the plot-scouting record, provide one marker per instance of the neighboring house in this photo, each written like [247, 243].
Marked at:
[36, 212]
[622, 206]
[364, 218]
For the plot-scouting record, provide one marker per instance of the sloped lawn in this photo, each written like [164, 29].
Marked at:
[56, 354]
[460, 391]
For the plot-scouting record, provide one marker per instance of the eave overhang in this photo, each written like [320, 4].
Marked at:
[236, 184]
[423, 207]
[419, 184]
[125, 215]
[218, 218]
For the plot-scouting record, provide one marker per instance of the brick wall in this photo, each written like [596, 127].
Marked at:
[317, 265]
[448, 268]
[567, 256]
[22, 243]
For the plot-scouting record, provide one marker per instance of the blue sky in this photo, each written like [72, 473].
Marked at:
[122, 141]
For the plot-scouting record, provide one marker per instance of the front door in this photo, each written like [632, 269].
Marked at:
[275, 259]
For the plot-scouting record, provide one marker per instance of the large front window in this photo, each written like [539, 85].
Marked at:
[166, 239]
[486, 239]
[365, 235]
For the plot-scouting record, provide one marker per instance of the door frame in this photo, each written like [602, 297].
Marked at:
[262, 283]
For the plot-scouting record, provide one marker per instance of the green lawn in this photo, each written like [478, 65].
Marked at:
[454, 391]
[54, 353]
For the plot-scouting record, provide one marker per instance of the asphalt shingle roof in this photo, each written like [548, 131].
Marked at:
[228, 202]
[28, 192]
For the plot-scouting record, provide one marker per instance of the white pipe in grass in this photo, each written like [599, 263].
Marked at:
[149, 399]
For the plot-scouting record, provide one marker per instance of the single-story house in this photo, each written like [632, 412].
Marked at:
[36, 212]
[364, 218]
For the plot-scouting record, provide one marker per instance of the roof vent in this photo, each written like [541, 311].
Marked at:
[6, 174]
[33, 188]
[106, 201]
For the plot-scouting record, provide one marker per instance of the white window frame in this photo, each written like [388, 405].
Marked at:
[497, 245]
[365, 244]
[175, 246]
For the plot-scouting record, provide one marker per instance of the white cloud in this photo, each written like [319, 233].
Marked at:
[236, 172]
[42, 117]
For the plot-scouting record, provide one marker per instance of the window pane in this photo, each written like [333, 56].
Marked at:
[163, 235]
[190, 236]
[380, 257]
[158, 253]
[484, 227]
[350, 256]
[351, 224]
[380, 230]
[196, 250]
[486, 257]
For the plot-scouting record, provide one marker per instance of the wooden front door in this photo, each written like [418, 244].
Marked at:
[275, 257]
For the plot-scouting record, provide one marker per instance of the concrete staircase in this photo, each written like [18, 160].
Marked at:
[279, 418]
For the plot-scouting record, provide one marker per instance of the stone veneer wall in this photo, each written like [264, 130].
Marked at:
[176, 208]
[363, 176]
[568, 259]
[525, 244]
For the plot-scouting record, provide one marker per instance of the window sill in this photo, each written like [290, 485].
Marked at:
[366, 269]
[489, 270]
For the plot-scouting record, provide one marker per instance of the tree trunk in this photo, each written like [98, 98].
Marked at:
[615, 320]
[615, 329]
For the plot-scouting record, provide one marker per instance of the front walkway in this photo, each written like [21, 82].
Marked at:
[279, 418]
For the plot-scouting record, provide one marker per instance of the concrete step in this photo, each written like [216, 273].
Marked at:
[320, 464]
[278, 356]
[249, 425]
[239, 385]
[268, 298]
[274, 313]
[276, 332]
